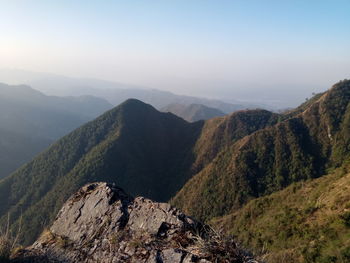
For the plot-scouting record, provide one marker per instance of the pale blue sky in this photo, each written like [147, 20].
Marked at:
[234, 49]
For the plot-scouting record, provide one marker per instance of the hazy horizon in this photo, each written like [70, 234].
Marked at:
[247, 50]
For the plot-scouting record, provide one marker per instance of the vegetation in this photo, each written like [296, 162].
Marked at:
[219, 134]
[8, 242]
[217, 166]
[218, 247]
[142, 150]
[306, 222]
[300, 147]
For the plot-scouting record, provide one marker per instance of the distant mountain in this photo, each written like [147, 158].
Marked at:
[30, 121]
[114, 92]
[17, 149]
[193, 112]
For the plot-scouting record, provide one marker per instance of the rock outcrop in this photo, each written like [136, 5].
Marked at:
[101, 223]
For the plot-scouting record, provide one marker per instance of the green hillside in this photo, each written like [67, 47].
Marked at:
[219, 133]
[298, 148]
[215, 167]
[144, 151]
[306, 222]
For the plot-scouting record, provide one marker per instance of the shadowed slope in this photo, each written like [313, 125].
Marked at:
[30, 121]
[145, 151]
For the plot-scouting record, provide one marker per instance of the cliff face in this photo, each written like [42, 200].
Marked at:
[100, 223]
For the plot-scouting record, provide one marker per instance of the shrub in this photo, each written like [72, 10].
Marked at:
[346, 218]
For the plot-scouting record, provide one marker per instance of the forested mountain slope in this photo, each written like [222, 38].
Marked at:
[144, 151]
[216, 165]
[298, 148]
[306, 222]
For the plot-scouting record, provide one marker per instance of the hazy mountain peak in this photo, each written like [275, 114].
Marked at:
[193, 112]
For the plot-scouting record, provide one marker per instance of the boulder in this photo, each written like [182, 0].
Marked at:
[101, 223]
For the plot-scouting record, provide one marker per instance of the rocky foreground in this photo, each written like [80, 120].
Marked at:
[101, 223]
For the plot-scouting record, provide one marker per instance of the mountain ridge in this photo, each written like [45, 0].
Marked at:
[214, 166]
[91, 152]
[269, 159]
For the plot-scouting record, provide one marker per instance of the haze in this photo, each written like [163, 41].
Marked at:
[275, 52]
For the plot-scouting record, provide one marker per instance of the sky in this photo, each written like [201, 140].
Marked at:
[277, 51]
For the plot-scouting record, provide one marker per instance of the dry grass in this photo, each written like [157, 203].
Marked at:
[8, 241]
[216, 247]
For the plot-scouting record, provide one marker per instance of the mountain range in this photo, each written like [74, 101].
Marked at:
[30, 121]
[193, 112]
[114, 92]
[214, 170]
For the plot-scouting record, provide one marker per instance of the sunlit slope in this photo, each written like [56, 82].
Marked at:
[306, 222]
[296, 148]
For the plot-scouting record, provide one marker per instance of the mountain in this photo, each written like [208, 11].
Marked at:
[101, 223]
[212, 167]
[113, 92]
[302, 145]
[306, 222]
[193, 112]
[30, 121]
[146, 152]
[25, 110]
[17, 149]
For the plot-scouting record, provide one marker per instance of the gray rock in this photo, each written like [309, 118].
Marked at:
[100, 223]
[172, 255]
